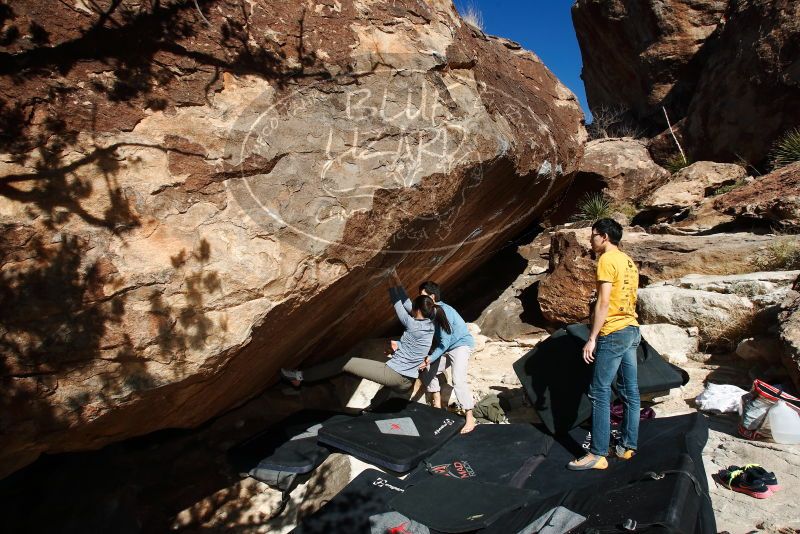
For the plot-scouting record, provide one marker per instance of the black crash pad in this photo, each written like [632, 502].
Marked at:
[495, 454]
[451, 505]
[668, 446]
[556, 379]
[287, 448]
[393, 436]
[362, 507]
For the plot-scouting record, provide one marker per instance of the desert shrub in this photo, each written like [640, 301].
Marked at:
[786, 150]
[724, 336]
[472, 15]
[783, 254]
[676, 162]
[613, 121]
[628, 209]
[728, 188]
[593, 206]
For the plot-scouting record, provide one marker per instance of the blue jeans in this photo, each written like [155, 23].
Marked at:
[615, 355]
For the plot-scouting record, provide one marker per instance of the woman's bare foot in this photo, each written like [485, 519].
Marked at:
[469, 426]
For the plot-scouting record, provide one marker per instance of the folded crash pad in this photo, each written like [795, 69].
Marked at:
[556, 379]
[654, 373]
[286, 449]
[393, 436]
[495, 454]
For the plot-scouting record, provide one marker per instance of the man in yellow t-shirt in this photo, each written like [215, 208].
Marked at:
[612, 347]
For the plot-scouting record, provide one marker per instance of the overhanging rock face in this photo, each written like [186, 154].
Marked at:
[182, 217]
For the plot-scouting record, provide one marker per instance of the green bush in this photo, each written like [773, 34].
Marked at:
[728, 188]
[676, 163]
[786, 150]
[593, 206]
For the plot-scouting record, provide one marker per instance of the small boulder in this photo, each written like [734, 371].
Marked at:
[689, 186]
[673, 342]
[760, 348]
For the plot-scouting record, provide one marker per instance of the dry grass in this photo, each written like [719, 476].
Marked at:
[472, 16]
[628, 209]
[724, 336]
[783, 254]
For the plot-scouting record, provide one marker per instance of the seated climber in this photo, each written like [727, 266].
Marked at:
[408, 358]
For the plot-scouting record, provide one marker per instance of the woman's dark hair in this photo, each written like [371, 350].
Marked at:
[425, 305]
[609, 227]
[431, 288]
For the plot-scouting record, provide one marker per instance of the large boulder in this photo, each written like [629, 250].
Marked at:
[565, 292]
[623, 168]
[197, 194]
[747, 94]
[789, 329]
[726, 309]
[642, 55]
[689, 186]
[727, 72]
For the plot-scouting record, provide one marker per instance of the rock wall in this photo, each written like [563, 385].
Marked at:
[638, 55]
[728, 72]
[198, 193]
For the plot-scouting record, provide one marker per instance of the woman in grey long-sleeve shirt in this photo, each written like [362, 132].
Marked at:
[400, 372]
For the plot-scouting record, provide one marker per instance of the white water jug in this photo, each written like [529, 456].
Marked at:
[784, 423]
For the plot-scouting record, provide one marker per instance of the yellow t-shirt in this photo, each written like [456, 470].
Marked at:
[618, 268]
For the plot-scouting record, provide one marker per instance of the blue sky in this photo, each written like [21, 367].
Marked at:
[542, 26]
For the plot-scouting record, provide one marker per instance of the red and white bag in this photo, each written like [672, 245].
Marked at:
[753, 423]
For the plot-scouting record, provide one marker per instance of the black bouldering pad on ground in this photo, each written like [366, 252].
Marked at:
[452, 505]
[678, 501]
[556, 379]
[662, 489]
[394, 436]
[362, 507]
[287, 448]
[495, 454]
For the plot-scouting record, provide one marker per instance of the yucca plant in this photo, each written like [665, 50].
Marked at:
[786, 150]
[593, 206]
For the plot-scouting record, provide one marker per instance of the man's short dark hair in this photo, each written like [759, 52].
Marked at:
[431, 288]
[609, 227]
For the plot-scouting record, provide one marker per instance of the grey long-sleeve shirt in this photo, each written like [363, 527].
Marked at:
[416, 340]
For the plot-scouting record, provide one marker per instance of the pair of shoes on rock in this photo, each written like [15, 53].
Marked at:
[752, 479]
[293, 376]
